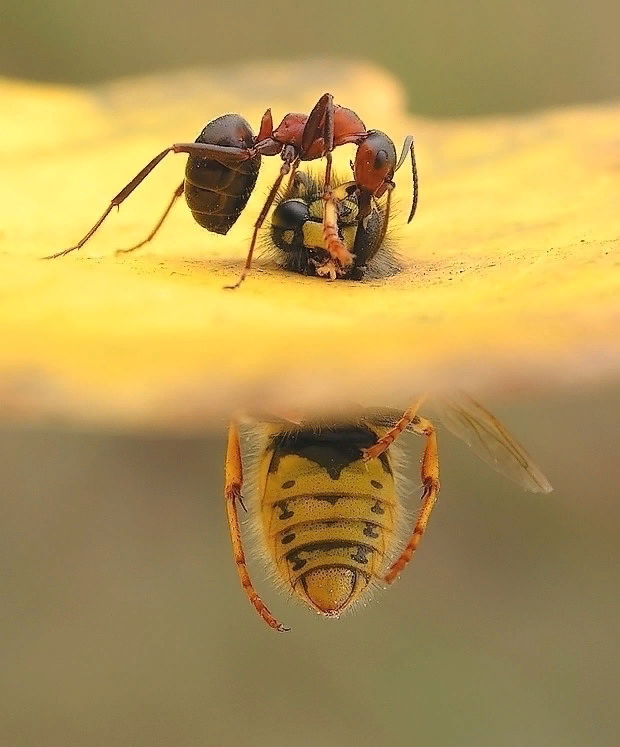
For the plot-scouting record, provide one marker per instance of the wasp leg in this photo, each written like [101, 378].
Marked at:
[177, 193]
[430, 480]
[408, 146]
[386, 216]
[234, 481]
[341, 257]
[406, 420]
[361, 234]
[333, 243]
[326, 268]
[290, 161]
[224, 154]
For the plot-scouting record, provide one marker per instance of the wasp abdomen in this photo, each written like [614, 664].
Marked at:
[217, 193]
[328, 517]
[329, 547]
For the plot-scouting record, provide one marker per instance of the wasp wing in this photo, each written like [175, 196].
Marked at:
[489, 440]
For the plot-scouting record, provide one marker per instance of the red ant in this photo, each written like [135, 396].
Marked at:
[223, 166]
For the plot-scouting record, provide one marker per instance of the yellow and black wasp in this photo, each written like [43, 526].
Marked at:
[328, 496]
[296, 237]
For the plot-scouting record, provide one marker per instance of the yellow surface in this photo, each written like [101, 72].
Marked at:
[512, 278]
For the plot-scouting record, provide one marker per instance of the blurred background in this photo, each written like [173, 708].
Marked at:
[122, 619]
[124, 623]
[483, 56]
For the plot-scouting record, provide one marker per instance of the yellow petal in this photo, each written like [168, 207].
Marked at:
[512, 262]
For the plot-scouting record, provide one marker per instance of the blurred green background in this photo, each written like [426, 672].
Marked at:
[122, 619]
[124, 623]
[453, 57]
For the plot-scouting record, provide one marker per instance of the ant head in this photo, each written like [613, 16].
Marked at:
[375, 162]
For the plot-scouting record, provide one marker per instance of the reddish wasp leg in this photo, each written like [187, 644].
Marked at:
[430, 480]
[177, 193]
[284, 169]
[333, 243]
[204, 150]
[234, 481]
[385, 441]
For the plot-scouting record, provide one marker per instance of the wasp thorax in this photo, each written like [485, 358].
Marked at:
[331, 590]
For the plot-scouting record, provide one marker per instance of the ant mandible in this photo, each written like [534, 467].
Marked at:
[223, 166]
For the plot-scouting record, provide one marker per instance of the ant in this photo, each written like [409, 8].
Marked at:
[224, 161]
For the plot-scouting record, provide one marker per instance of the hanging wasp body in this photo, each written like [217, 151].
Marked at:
[328, 496]
[224, 162]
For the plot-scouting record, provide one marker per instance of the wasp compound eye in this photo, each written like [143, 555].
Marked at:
[290, 215]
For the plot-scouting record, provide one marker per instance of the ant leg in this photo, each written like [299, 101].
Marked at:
[408, 146]
[284, 170]
[234, 481]
[430, 480]
[224, 154]
[315, 119]
[116, 201]
[177, 193]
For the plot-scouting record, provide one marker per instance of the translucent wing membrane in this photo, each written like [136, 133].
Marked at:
[466, 419]
[489, 440]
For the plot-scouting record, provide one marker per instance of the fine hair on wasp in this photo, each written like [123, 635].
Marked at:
[293, 239]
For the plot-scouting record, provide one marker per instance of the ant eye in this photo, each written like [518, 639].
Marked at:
[380, 160]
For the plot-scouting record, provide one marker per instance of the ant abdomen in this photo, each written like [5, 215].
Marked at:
[217, 193]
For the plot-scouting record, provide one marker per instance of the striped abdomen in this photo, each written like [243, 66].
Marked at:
[328, 519]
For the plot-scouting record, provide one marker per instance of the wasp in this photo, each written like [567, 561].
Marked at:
[224, 161]
[296, 238]
[328, 496]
